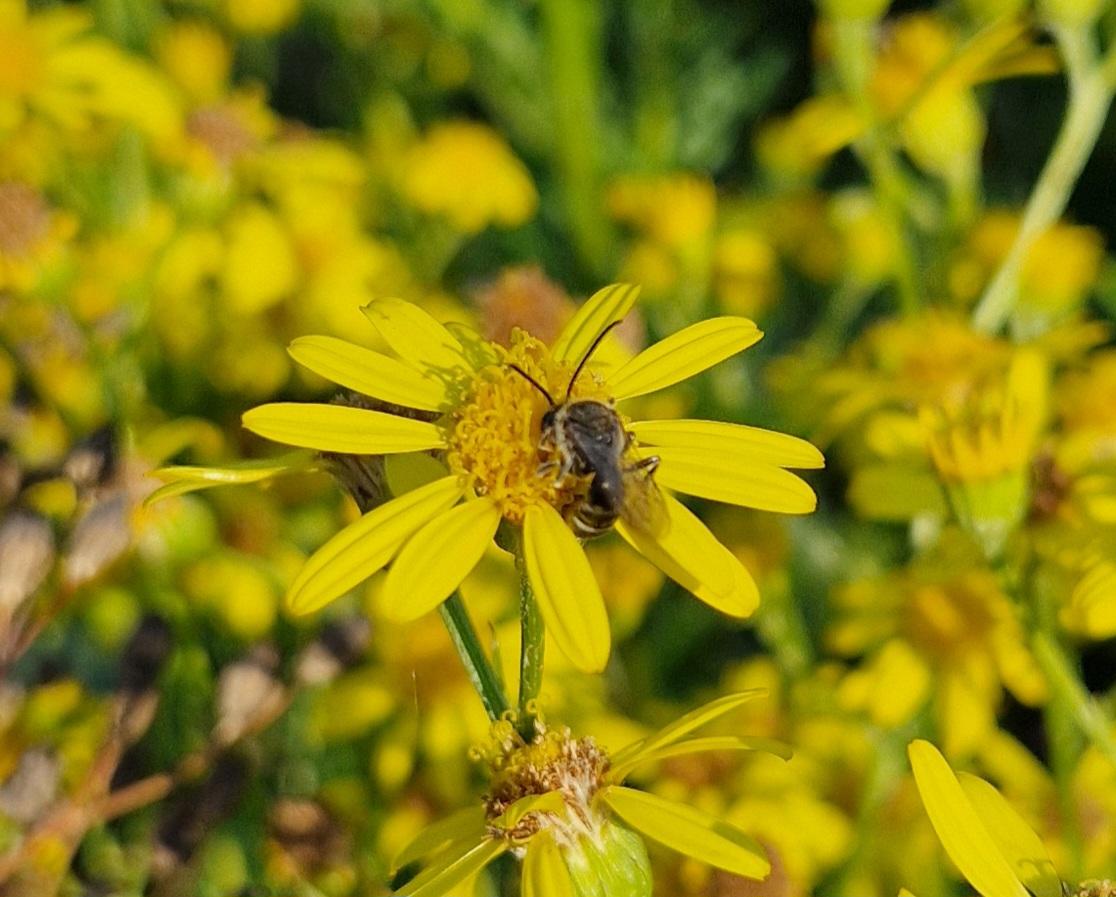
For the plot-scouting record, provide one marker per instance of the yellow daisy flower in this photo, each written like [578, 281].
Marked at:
[558, 804]
[482, 409]
[995, 849]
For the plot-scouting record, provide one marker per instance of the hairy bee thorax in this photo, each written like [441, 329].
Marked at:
[589, 441]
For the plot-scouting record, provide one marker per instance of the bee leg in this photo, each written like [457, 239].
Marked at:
[647, 465]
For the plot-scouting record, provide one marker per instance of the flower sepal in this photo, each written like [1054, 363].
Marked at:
[612, 864]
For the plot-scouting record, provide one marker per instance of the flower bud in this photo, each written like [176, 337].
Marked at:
[614, 864]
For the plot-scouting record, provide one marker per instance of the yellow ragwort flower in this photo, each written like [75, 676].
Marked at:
[984, 835]
[53, 68]
[465, 172]
[558, 804]
[475, 405]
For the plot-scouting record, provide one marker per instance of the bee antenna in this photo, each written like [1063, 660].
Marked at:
[589, 354]
[535, 383]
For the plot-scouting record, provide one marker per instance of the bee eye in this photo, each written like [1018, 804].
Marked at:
[548, 419]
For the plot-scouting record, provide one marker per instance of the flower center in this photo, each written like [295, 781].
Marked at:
[554, 761]
[948, 620]
[494, 437]
[24, 219]
[1096, 888]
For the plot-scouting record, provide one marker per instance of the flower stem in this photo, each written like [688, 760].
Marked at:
[572, 36]
[532, 648]
[1090, 95]
[1066, 687]
[853, 54]
[480, 671]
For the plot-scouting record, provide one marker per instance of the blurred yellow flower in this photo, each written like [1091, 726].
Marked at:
[941, 633]
[675, 210]
[196, 57]
[51, 67]
[746, 274]
[260, 17]
[984, 450]
[259, 266]
[467, 173]
[796, 146]
[484, 407]
[1060, 269]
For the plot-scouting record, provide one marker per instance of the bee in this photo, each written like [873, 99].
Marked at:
[590, 442]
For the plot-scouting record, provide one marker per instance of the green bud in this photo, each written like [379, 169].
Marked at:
[615, 866]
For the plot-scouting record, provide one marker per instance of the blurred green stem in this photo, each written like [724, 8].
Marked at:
[853, 55]
[1065, 687]
[1090, 95]
[1059, 715]
[572, 38]
[481, 674]
[531, 651]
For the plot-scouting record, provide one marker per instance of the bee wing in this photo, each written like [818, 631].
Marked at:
[643, 506]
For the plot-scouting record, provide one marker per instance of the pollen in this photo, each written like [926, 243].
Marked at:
[494, 435]
[552, 762]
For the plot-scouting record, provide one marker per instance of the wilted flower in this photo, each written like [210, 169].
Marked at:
[557, 802]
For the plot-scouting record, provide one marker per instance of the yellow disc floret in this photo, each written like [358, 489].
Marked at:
[494, 435]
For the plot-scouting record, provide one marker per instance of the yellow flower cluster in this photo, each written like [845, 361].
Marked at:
[526, 586]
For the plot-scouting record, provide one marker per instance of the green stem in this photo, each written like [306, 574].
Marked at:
[1066, 687]
[1062, 737]
[853, 46]
[480, 671]
[1090, 95]
[532, 648]
[572, 38]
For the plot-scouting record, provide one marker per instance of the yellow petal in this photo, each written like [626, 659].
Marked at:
[1091, 609]
[367, 372]
[441, 879]
[617, 772]
[960, 830]
[565, 589]
[437, 558]
[365, 546]
[414, 335]
[1017, 841]
[683, 354]
[549, 802]
[183, 479]
[733, 479]
[337, 428]
[755, 444]
[544, 872]
[642, 750]
[691, 555]
[603, 308]
[466, 825]
[689, 831]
